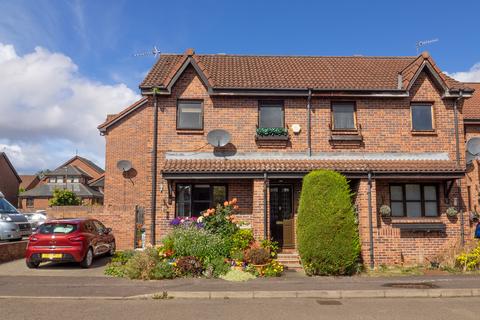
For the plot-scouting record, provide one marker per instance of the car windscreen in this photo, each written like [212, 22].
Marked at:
[6, 207]
[52, 228]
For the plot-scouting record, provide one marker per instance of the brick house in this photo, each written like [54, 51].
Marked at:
[78, 174]
[471, 114]
[9, 179]
[390, 124]
[29, 181]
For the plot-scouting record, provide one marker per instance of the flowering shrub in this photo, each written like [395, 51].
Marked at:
[273, 269]
[469, 261]
[221, 220]
[187, 221]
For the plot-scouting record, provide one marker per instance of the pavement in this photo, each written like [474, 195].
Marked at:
[69, 281]
[233, 309]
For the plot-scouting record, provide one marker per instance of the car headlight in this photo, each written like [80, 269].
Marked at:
[4, 217]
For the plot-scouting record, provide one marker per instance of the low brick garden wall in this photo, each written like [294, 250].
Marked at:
[10, 251]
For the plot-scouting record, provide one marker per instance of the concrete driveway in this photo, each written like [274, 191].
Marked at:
[18, 268]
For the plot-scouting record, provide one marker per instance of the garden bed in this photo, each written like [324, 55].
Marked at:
[213, 245]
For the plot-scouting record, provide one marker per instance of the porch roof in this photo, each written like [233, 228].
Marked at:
[202, 166]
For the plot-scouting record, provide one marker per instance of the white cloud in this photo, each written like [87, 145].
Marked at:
[472, 75]
[48, 109]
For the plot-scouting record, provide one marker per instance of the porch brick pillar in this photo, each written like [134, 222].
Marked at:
[363, 225]
[258, 226]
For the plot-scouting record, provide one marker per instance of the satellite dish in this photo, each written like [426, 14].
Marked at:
[469, 157]
[218, 138]
[473, 145]
[124, 165]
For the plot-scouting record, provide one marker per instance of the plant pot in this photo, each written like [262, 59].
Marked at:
[259, 267]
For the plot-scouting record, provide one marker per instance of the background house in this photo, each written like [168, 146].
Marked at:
[29, 181]
[75, 175]
[9, 179]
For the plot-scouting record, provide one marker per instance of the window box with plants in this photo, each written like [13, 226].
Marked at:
[272, 134]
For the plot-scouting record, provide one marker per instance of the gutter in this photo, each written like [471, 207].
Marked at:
[153, 203]
[309, 133]
[457, 137]
[370, 220]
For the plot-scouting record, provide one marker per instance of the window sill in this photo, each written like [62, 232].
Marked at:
[412, 220]
[190, 131]
[271, 138]
[424, 133]
[352, 136]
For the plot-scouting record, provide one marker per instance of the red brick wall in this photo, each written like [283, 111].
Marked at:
[121, 221]
[9, 183]
[385, 123]
[85, 167]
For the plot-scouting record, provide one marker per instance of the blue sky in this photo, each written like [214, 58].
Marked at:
[94, 43]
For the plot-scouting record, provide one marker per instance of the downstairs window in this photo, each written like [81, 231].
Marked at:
[193, 199]
[414, 200]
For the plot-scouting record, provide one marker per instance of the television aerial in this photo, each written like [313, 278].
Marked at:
[124, 165]
[424, 43]
[218, 138]
[155, 52]
[473, 149]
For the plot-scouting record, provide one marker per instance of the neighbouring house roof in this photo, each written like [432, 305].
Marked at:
[471, 107]
[296, 72]
[4, 155]
[84, 160]
[46, 190]
[29, 181]
[266, 165]
[99, 182]
[68, 170]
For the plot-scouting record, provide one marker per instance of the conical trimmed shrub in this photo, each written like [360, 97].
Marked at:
[328, 241]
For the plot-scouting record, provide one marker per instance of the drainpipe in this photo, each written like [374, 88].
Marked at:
[457, 150]
[153, 203]
[265, 209]
[457, 137]
[309, 134]
[370, 219]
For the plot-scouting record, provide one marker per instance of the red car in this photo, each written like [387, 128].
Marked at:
[78, 240]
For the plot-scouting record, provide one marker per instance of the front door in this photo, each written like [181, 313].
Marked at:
[281, 215]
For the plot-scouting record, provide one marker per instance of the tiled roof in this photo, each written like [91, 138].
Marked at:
[294, 72]
[471, 107]
[223, 166]
[88, 162]
[113, 118]
[46, 190]
[4, 156]
[28, 180]
[68, 170]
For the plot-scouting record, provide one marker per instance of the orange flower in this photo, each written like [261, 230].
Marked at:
[235, 207]
[226, 203]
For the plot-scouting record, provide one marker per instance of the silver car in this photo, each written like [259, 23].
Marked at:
[13, 224]
[36, 219]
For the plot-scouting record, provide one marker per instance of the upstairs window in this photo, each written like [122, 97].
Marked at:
[422, 119]
[414, 200]
[190, 115]
[271, 115]
[343, 116]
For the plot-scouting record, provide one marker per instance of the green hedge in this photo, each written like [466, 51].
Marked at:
[328, 241]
